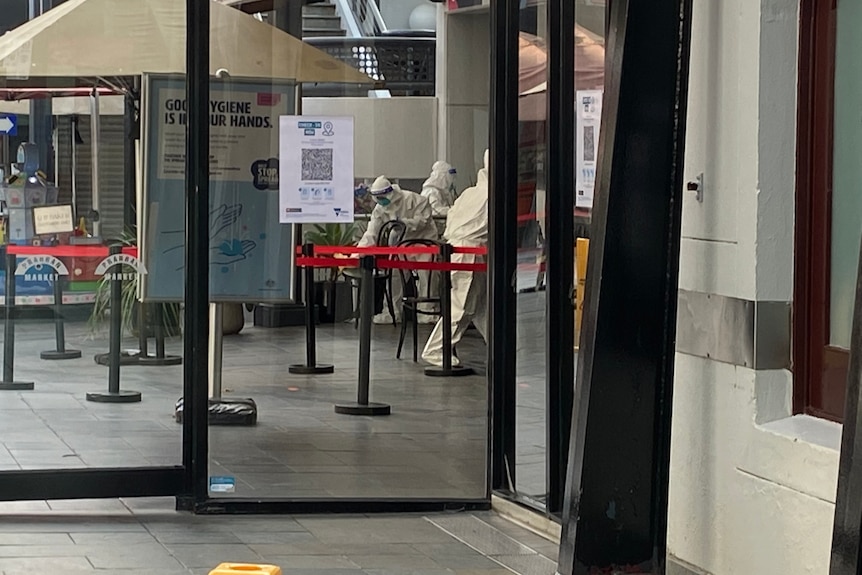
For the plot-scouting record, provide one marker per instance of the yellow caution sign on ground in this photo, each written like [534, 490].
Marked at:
[245, 569]
[581, 254]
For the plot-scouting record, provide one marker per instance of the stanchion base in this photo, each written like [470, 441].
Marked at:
[454, 371]
[122, 396]
[359, 409]
[225, 411]
[126, 358]
[155, 361]
[16, 385]
[57, 355]
[320, 368]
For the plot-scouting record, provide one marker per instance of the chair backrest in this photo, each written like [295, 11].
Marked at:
[410, 278]
[391, 233]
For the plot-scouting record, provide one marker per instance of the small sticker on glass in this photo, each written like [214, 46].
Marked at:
[222, 484]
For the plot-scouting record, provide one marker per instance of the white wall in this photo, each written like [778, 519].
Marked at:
[752, 488]
[463, 89]
[396, 13]
[393, 136]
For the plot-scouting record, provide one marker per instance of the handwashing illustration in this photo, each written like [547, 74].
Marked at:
[225, 247]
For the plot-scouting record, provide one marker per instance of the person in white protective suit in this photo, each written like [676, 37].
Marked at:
[414, 212]
[439, 188]
[466, 226]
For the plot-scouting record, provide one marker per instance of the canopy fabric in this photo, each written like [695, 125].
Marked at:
[533, 71]
[83, 40]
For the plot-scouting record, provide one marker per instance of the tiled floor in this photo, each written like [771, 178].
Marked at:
[137, 537]
[433, 444]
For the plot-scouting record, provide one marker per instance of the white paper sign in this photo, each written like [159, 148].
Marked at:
[316, 159]
[53, 220]
[589, 118]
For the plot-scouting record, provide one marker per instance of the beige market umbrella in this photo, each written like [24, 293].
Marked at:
[533, 71]
[81, 41]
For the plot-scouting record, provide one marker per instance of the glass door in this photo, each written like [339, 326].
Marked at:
[347, 416]
[552, 181]
[91, 373]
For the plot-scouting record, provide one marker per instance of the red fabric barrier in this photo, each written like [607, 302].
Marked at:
[391, 251]
[67, 251]
[391, 264]
[376, 250]
[478, 251]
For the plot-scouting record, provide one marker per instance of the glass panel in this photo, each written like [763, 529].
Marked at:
[531, 415]
[434, 443]
[70, 160]
[847, 172]
[590, 18]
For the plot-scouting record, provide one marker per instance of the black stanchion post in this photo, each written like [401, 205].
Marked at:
[59, 326]
[114, 393]
[311, 366]
[158, 324]
[448, 370]
[9, 383]
[143, 339]
[366, 313]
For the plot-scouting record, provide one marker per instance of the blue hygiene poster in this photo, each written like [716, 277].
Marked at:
[251, 253]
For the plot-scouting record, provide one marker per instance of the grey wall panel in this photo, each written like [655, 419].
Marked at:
[111, 167]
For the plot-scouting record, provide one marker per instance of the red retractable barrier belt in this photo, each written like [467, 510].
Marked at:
[392, 264]
[67, 251]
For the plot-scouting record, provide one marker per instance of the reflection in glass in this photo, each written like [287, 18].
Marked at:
[69, 90]
[847, 173]
[532, 273]
[433, 444]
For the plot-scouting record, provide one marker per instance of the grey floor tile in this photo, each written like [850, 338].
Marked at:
[59, 564]
[394, 561]
[475, 561]
[417, 571]
[481, 535]
[195, 537]
[206, 554]
[528, 564]
[50, 539]
[110, 539]
[310, 561]
[130, 559]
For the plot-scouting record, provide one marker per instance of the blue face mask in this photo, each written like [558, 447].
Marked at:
[383, 201]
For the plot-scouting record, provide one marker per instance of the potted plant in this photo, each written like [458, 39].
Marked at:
[170, 315]
[333, 295]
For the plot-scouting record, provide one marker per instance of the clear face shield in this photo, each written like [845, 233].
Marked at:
[383, 197]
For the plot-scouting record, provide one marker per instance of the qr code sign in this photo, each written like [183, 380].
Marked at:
[317, 164]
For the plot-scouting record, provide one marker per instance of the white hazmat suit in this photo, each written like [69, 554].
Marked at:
[466, 226]
[413, 211]
[439, 188]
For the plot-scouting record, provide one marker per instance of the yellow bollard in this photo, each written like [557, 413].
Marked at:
[245, 569]
[581, 254]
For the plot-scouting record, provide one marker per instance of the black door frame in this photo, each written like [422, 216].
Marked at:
[559, 306]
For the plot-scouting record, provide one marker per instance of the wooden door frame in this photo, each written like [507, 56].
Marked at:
[819, 370]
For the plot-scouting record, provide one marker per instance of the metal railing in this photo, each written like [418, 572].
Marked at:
[405, 66]
[362, 18]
